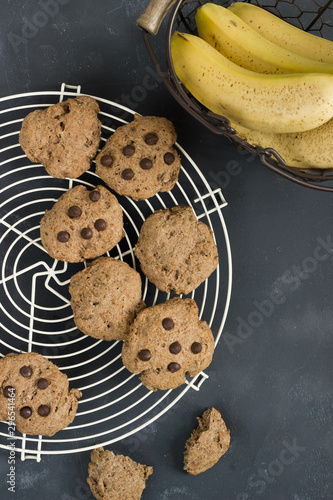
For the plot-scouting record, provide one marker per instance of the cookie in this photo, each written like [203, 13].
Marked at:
[82, 224]
[138, 160]
[64, 137]
[175, 250]
[38, 393]
[166, 342]
[207, 443]
[105, 298]
[116, 477]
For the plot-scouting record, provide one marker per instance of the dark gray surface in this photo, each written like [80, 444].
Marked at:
[271, 376]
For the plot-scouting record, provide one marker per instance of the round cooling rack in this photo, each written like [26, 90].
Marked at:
[35, 311]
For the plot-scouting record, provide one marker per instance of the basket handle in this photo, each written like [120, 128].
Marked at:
[152, 17]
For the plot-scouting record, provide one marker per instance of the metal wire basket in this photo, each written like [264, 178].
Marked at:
[35, 312]
[314, 16]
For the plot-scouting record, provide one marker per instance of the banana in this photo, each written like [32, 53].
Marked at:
[237, 41]
[276, 103]
[304, 150]
[284, 34]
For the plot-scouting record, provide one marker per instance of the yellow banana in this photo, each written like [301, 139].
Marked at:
[284, 34]
[276, 103]
[237, 41]
[305, 150]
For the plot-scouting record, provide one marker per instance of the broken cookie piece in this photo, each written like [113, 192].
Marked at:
[116, 477]
[207, 443]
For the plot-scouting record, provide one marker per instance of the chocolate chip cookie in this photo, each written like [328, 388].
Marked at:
[38, 393]
[82, 224]
[63, 137]
[176, 251]
[116, 477]
[139, 160]
[207, 443]
[105, 298]
[166, 342]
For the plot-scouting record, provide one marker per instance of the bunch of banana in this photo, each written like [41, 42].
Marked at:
[280, 103]
[238, 41]
[272, 95]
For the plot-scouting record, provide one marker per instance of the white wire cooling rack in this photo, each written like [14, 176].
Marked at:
[35, 312]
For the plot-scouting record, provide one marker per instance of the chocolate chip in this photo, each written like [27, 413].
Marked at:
[128, 150]
[127, 174]
[196, 347]
[9, 391]
[167, 324]
[151, 138]
[175, 348]
[86, 233]
[74, 212]
[100, 225]
[63, 236]
[42, 383]
[173, 367]
[26, 412]
[144, 355]
[26, 371]
[106, 160]
[44, 410]
[146, 163]
[169, 158]
[94, 195]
